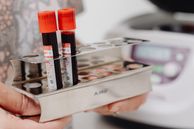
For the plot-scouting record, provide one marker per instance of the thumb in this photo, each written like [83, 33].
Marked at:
[17, 103]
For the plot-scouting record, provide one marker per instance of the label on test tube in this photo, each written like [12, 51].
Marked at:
[51, 77]
[68, 62]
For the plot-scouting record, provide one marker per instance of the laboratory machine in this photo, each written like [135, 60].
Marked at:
[170, 30]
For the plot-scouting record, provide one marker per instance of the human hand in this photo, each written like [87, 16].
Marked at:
[18, 104]
[127, 105]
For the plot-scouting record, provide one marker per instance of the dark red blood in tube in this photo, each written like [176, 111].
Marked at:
[48, 28]
[67, 25]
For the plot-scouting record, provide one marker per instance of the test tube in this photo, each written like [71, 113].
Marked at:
[48, 28]
[67, 26]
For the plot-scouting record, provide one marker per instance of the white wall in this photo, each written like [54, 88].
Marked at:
[101, 15]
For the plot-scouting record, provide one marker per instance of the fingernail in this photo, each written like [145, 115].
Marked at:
[114, 109]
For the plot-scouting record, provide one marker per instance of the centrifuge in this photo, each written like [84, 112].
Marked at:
[171, 51]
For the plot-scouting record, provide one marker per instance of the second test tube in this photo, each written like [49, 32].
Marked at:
[67, 25]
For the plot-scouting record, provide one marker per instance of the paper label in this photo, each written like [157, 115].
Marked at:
[68, 62]
[50, 68]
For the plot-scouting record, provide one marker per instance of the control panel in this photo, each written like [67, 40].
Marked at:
[168, 61]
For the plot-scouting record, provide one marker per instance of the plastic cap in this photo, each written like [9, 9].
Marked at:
[47, 21]
[66, 19]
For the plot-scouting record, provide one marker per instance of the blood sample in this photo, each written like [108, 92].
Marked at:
[67, 25]
[48, 28]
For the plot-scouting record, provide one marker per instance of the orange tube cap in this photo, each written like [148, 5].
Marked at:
[66, 19]
[47, 21]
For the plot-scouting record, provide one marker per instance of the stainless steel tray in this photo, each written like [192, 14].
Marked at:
[95, 93]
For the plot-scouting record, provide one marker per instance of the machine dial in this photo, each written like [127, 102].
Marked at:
[171, 69]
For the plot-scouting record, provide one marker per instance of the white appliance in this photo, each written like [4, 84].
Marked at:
[171, 103]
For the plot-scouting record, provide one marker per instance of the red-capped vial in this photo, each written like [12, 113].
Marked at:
[67, 26]
[48, 28]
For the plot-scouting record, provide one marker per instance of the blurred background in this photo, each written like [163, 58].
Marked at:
[100, 16]
[170, 27]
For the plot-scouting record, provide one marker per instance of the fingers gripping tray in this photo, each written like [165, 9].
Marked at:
[105, 72]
